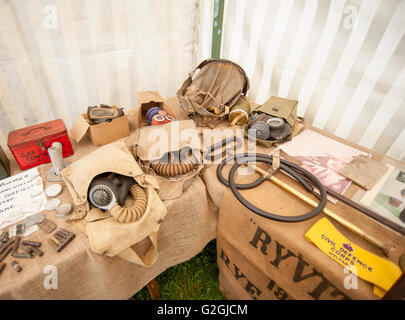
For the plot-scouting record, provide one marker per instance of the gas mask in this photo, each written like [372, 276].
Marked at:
[108, 188]
[108, 192]
[104, 113]
[267, 127]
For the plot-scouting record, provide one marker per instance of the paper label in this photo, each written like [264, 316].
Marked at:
[369, 267]
[21, 195]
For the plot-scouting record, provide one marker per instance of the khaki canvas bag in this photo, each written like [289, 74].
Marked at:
[172, 136]
[281, 108]
[208, 95]
[106, 235]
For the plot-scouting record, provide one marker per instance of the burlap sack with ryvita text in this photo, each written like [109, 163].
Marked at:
[106, 235]
[259, 258]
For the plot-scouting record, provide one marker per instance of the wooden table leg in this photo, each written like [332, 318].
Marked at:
[153, 289]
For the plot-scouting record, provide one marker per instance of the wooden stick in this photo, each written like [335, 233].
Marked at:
[352, 227]
[153, 289]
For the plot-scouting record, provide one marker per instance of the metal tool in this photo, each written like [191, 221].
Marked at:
[56, 156]
[209, 156]
[31, 243]
[61, 239]
[16, 244]
[4, 246]
[21, 255]
[29, 247]
[5, 253]
[25, 248]
[28, 250]
[4, 238]
[16, 266]
[36, 251]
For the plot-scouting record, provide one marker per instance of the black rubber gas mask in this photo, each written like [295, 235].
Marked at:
[108, 188]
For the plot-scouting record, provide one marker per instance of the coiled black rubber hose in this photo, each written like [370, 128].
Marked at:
[295, 171]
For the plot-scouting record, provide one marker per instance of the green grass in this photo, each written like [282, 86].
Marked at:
[195, 279]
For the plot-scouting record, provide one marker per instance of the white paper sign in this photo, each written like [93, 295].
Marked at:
[21, 195]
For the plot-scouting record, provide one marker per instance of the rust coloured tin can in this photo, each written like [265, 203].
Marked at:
[29, 145]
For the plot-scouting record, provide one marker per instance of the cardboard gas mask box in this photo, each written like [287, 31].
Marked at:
[101, 133]
[147, 101]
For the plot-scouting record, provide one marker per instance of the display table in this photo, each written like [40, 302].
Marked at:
[191, 222]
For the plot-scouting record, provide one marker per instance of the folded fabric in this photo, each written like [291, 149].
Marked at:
[364, 171]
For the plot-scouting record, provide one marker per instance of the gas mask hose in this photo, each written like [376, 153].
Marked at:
[133, 213]
[169, 168]
[172, 169]
[296, 172]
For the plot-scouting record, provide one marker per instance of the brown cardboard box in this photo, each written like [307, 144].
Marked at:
[147, 100]
[101, 133]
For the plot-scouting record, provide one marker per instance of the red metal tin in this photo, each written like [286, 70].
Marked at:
[29, 145]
